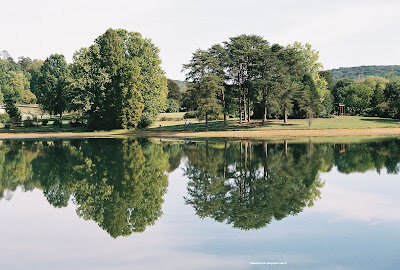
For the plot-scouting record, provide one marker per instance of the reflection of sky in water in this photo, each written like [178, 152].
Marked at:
[355, 225]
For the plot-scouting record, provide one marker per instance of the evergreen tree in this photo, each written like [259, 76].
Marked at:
[205, 84]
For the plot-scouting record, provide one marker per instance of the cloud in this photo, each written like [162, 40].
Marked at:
[342, 202]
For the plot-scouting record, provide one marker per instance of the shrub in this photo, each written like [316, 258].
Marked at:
[164, 118]
[14, 113]
[45, 122]
[8, 125]
[3, 117]
[28, 122]
[193, 114]
[76, 123]
[57, 123]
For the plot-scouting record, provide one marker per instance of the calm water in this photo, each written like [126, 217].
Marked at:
[140, 204]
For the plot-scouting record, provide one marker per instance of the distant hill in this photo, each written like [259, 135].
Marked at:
[181, 84]
[363, 71]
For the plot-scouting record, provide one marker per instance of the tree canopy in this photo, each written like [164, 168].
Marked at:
[52, 91]
[249, 77]
[119, 81]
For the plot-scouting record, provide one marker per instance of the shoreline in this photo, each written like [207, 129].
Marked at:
[239, 134]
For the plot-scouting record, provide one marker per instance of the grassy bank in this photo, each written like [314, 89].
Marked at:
[172, 125]
[340, 122]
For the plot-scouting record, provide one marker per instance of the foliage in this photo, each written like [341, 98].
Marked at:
[181, 84]
[174, 91]
[191, 114]
[57, 123]
[205, 84]
[339, 90]
[248, 76]
[358, 97]
[249, 185]
[28, 122]
[308, 98]
[14, 79]
[375, 82]
[3, 117]
[327, 76]
[172, 106]
[52, 91]
[120, 184]
[357, 73]
[13, 112]
[119, 81]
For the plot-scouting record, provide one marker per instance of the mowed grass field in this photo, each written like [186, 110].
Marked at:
[175, 123]
[33, 110]
[338, 122]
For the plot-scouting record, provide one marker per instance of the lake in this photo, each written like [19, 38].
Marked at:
[217, 204]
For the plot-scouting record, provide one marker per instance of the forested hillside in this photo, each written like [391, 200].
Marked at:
[181, 84]
[364, 71]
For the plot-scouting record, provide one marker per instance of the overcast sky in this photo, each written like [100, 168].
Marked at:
[346, 33]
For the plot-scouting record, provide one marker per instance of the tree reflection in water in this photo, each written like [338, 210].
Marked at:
[248, 185]
[120, 184]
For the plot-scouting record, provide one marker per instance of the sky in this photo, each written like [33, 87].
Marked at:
[346, 33]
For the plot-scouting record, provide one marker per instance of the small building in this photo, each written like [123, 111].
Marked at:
[341, 109]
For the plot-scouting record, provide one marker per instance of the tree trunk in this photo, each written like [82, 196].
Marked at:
[245, 155]
[225, 159]
[286, 149]
[224, 105]
[244, 106]
[206, 121]
[285, 117]
[266, 149]
[264, 120]
[248, 109]
[240, 110]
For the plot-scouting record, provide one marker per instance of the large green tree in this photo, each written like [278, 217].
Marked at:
[174, 91]
[270, 78]
[52, 93]
[358, 97]
[308, 98]
[119, 81]
[204, 84]
[14, 80]
[339, 90]
[241, 53]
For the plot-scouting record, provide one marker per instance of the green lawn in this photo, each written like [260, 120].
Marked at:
[175, 122]
[32, 110]
[172, 116]
[339, 122]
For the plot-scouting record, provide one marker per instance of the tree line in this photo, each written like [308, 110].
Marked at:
[116, 83]
[249, 78]
[357, 73]
[17, 79]
[372, 96]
